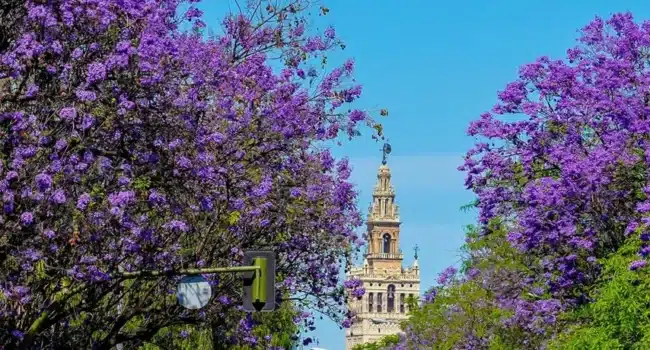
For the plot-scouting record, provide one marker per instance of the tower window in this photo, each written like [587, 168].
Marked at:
[390, 305]
[401, 303]
[379, 297]
[386, 243]
[371, 296]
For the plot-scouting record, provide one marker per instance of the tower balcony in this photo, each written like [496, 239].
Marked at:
[376, 218]
[390, 256]
[388, 317]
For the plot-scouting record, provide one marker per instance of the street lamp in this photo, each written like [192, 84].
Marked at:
[194, 291]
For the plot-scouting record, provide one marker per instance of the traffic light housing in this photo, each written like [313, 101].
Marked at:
[259, 285]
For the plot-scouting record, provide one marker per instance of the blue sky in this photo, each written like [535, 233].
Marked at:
[437, 65]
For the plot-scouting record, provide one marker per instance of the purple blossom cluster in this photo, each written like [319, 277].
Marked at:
[355, 287]
[130, 144]
[446, 275]
[561, 164]
[430, 295]
[571, 175]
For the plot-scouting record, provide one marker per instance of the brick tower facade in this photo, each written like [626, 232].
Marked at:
[387, 282]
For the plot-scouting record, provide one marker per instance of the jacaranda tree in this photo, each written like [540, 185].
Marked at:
[561, 174]
[130, 140]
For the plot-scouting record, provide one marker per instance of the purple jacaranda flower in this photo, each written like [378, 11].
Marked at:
[96, 72]
[183, 162]
[86, 95]
[87, 122]
[26, 218]
[83, 201]
[60, 144]
[76, 53]
[352, 283]
[123, 181]
[645, 251]
[27, 152]
[32, 90]
[58, 197]
[32, 254]
[121, 198]
[156, 197]
[176, 225]
[11, 175]
[43, 181]
[446, 275]
[68, 113]
[430, 296]
[638, 264]
[330, 33]
[49, 234]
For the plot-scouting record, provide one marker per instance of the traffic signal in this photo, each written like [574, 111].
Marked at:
[259, 285]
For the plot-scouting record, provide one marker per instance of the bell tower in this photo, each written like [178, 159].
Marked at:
[383, 225]
[388, 283]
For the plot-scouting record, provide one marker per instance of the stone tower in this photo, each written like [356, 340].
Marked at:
[387, 282]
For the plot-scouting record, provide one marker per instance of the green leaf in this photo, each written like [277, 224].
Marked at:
[234, 217]
[142, 183]
[39, 270]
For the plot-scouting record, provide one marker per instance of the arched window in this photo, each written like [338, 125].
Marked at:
[391, 299]
[380, 297]
[386, 243]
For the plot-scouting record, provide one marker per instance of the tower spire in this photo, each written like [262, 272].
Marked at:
[383, 207]
[383, 216]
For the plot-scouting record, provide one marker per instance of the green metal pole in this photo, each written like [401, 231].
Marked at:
[209, 270]
[259, 284]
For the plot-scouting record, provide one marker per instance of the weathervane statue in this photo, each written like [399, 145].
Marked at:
[386, 151]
